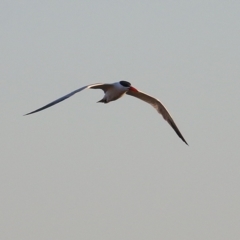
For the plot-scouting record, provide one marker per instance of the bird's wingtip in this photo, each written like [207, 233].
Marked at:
[184, 140]
[28, 113]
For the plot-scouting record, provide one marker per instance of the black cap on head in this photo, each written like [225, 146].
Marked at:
[125, 83]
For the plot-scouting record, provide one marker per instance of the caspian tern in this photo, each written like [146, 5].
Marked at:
[116, 90]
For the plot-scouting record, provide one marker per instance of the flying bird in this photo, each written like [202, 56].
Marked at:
[114, 91]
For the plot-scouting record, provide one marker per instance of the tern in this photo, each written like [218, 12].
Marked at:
[114, 91]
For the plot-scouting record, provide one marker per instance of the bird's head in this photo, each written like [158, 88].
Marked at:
[128, 85]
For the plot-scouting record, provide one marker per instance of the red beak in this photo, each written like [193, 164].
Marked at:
[133, 89]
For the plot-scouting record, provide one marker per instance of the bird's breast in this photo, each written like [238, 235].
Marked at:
[114, 94]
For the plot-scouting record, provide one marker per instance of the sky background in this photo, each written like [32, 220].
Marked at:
[82, 170]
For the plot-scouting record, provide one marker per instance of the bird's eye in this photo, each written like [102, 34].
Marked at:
[125, 83]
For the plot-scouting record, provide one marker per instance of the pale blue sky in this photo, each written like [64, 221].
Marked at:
[82, 170]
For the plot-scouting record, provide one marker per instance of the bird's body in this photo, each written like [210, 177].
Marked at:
[115, 91]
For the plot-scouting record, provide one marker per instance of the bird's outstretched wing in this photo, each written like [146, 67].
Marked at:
[159, 107]
[104, 87]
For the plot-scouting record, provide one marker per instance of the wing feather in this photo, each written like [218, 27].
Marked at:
[104, 87]
[159, 107]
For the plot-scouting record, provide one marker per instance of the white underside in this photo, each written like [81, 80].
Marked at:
[115, 92]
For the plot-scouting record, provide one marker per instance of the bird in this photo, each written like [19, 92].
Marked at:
[116, 90]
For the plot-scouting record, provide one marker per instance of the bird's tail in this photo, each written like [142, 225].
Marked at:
[102, 101]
